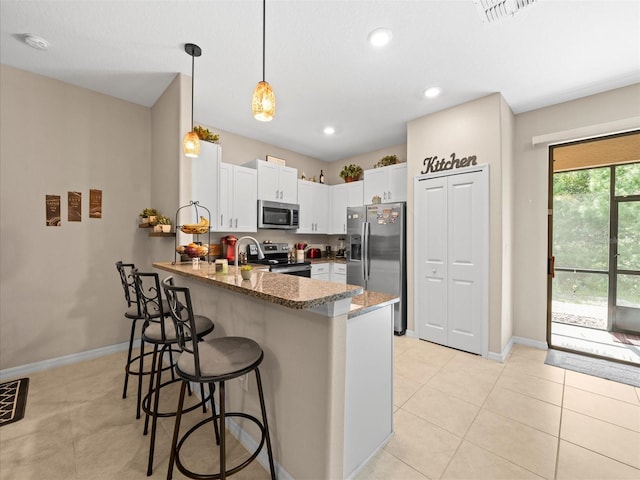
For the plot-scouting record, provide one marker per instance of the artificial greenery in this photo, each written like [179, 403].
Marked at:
[353, 171]
[149, 212]
[386, 160]
[162, 220]
[206, 135]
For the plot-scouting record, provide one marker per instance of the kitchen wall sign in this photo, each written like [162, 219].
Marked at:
[433, 165]
[52, 205]
[95, 203]
[74, 206]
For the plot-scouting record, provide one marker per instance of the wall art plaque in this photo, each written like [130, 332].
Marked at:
[95, 203]
[52, 205]
[74, 206]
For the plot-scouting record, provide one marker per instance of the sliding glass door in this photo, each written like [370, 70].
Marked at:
[595, 245]
[625, 246]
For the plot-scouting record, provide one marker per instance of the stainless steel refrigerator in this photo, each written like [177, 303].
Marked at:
[376, 253]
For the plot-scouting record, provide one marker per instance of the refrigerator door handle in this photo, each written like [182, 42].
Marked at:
[365, 253]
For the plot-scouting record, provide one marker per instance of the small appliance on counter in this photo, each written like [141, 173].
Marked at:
[228, 247]
[314, 253]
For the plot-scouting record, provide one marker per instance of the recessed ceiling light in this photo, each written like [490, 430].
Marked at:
[329, 130]
[432, 92]
[38, 43]
[380, 37]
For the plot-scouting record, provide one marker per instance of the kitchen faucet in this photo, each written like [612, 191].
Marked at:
[260, 254]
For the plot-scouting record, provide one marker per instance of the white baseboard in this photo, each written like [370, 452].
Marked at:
[502, 356]
[530, 343]
[23, 370]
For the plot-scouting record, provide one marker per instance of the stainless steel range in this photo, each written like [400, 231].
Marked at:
[276, 255]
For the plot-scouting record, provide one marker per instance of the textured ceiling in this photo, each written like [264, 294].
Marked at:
[319, 62]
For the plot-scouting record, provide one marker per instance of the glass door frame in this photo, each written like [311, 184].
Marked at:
[613, 247]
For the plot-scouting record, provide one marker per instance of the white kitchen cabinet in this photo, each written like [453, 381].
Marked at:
[313, 199]
[321, 271]
[277, 183]
[238, 199]
[342, 196]
[338, 273]
[389, 183]
[205, 176]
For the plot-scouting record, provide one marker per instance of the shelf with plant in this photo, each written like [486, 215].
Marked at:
[148, 218]
[351, 173]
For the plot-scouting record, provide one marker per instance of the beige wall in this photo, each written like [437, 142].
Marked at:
[365, 160]
[59, 290]
[475, 128]
[530, 186]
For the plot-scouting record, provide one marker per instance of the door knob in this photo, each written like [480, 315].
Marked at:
[434, 271]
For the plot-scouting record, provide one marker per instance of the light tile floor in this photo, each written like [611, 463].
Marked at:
[457, 416]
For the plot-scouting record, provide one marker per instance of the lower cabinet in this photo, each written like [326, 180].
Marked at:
[338, 273]
[321, 271]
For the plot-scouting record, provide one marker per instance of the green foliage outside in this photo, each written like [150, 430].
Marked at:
[581, 204]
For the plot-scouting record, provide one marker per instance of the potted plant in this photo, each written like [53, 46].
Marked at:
[351, 173]
[245, 271]
[164, 223]
[206, 135]
[149, 215]
[386, 160]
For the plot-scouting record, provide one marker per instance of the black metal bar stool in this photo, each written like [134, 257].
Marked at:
[159, 331]
[214, 360]
[134, 366]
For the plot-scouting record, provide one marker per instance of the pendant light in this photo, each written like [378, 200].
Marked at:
[191, 142]
[263, 103]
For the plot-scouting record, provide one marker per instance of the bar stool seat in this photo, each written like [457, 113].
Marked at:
[213, 361]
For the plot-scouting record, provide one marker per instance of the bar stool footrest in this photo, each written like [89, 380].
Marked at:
[231, 471]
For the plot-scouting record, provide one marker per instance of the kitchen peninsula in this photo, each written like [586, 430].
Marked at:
[328, 366]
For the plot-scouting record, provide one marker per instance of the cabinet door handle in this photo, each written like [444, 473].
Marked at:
[230, 222]
[389, 196]
[236, 223]
[277, 194]
[281, 193]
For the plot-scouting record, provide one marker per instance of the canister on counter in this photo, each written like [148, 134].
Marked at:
[222, 267]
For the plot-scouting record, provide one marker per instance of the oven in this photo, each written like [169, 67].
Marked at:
[297, 269]
[276, 255]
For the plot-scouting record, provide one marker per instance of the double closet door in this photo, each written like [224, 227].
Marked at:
[451, 252]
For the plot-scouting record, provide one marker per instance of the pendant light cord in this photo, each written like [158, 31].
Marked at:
[264, 27]
[192, 82]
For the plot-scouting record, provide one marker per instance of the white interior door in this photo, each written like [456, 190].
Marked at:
[431, 253]
[452, 241]
[467, 255]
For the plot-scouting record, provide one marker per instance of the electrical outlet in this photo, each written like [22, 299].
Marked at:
[244, 381]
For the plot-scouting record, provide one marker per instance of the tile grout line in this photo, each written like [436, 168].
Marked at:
[557, 462]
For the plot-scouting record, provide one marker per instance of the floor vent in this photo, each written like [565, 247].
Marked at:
[493, 10]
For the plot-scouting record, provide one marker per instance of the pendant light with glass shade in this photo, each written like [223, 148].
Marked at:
[191, 142]
[263, 103]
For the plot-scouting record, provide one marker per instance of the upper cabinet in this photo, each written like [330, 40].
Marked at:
[342, 196]
[205, 174]
[277, 183]
[389, 183]
[314, 207]
[238, 199]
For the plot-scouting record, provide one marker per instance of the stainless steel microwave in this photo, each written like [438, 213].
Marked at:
[278, 215]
